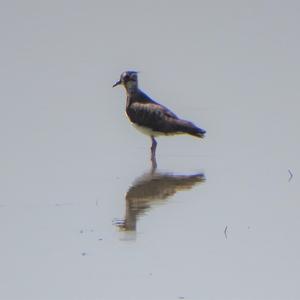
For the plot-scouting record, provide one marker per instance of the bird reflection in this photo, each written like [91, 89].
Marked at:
[150, 189]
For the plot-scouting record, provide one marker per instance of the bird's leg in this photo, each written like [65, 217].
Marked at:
[153, 149]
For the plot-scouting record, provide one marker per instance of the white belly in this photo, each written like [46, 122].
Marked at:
[146, 131]
[150, 132]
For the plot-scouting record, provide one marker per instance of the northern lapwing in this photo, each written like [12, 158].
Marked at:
[150, 117]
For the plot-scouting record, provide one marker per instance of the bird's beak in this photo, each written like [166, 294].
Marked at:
[117, 83]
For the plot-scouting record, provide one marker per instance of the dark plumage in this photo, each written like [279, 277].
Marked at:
[158, 118]
[151, 117]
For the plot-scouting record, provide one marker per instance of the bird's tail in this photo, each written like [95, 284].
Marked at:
[192, 129]
[198, 132]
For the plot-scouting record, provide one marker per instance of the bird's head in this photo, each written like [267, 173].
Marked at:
[128, 79]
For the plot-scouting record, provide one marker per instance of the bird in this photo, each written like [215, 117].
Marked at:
[150, 117]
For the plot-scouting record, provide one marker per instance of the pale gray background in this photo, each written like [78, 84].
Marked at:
[69, 155]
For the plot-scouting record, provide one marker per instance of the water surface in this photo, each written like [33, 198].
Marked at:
[83, 216]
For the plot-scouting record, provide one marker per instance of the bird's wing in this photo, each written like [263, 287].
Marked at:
[155, 110]
[161, 119]
[151, 115]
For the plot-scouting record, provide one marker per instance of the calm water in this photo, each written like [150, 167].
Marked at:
[81, 214]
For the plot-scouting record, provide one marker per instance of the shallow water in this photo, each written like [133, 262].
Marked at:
[82, 215]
